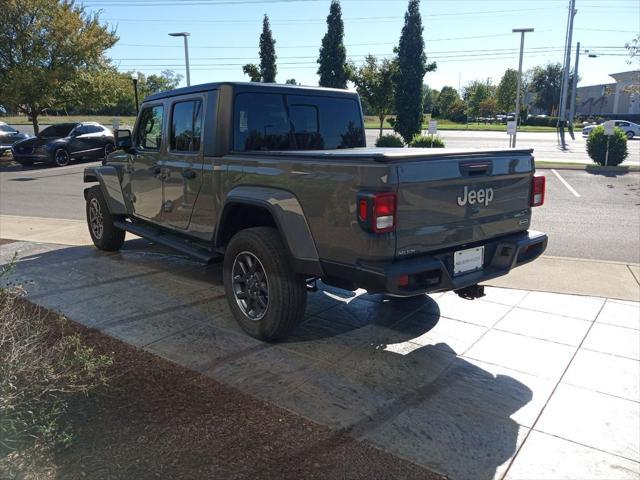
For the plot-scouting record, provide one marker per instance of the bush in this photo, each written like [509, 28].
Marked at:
[427, 141]
[541, 121]
[389, 141]
[41, 371]
[597, 146]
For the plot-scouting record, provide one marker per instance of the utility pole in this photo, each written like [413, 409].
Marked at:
[185, 35]
[562, 110]
[574, 92]
[522, 31]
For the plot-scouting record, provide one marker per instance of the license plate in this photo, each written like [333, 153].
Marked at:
[469, 260]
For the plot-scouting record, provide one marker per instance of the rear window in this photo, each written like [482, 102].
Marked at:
[270, 121]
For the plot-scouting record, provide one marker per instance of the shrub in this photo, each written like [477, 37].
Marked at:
[597, 146]
[389, 141]
[541, 121]
[427, 141]
[41, 371]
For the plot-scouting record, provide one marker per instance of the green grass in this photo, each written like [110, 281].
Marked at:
[106, 120]
[373, 122]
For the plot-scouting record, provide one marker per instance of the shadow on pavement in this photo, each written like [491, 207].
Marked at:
[604, 172]
[369, 365]
[12, 166]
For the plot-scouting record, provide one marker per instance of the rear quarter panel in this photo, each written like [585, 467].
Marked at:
[327, 191]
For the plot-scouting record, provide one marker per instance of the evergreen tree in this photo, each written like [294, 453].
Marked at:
[412, 67]
[333, 70]
[268, 67]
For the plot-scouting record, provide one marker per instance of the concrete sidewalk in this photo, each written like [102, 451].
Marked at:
[548, 274]
[517, 385]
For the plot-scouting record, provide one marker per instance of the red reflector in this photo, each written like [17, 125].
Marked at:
[538, 187]
[363, 209]
[403, 280]
[384, 212]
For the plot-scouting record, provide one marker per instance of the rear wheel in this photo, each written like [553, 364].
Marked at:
[104, 234]
[266, 297]
[108, 148]
[630, 135]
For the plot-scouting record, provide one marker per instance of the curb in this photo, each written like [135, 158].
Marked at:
[587, 167]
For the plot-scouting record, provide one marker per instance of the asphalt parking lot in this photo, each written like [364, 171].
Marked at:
[516, 385]
[602, 222]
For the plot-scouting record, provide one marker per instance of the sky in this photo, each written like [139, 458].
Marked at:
[468, 39]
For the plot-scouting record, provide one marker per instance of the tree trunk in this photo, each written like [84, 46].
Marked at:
[381, 117]
[34, 122]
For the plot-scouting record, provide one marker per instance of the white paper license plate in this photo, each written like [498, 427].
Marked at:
[468, 260]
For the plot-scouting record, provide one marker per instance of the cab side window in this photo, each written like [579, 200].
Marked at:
[149, 135]
[186, 126]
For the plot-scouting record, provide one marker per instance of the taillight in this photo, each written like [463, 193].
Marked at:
[377, 211]
[538, 186]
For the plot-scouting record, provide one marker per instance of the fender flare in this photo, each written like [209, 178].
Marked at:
[289, 218]
[109, 180]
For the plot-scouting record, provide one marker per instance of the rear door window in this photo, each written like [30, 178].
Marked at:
[296, 122]
[186, 126]
[149, 134]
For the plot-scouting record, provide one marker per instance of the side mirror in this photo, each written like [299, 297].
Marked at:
[123, 139]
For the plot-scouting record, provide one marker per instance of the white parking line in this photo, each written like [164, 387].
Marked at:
[565, 183]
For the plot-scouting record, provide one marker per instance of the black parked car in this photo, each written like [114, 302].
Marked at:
[9, 136]
[60, 143]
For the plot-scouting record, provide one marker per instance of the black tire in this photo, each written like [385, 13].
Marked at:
[61, 157]
[108, 148]
[630, 135]
[286, 292]
[104, 234]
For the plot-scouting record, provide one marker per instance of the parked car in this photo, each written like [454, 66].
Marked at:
[9, 136]
[630, 129]
[277, 183]
[60, 143]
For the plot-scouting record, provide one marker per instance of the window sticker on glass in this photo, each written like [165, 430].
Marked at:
[244, 124]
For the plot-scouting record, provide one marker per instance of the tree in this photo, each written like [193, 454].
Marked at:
[475, 93]
[447, 97]
[488, 107]
[457, 111]
[49, 52]
[507, 89]
[412, 67]
[253, 71]
[167, 80]
[334, 70]
[545, 86]
[633, 48]
[374, 83]
[291, 81]
[268, 67]
[430, 100]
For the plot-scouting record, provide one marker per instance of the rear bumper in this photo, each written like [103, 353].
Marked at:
[434, 273]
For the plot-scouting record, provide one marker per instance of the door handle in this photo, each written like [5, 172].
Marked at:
[189, 174]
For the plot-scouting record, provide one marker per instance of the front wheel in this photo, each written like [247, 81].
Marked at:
[108, 149]
[61, 157]
[105, 235]
[266, 297]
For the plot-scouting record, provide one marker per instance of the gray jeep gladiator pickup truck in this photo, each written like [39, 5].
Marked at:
[276, 182]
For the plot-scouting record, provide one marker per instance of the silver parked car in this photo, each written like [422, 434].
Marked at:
[630, 129]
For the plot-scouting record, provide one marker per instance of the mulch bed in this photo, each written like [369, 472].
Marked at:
[159, 420]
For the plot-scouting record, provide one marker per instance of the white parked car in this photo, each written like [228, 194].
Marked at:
[630, 129]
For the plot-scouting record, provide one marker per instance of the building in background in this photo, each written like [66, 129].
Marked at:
[620, 99]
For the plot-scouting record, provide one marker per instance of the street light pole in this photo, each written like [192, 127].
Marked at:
[574, 91]
[135, 91]
[185, 35]
[564, 89]
[522, 31]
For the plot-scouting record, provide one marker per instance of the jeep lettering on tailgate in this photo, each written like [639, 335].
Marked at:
[482, 195]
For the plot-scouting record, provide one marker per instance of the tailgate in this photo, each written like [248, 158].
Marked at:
[450, 202]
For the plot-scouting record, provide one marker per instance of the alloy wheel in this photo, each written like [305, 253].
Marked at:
[250, 285]
[95, 218]
[62, 157]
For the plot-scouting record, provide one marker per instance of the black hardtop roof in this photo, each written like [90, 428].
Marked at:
[252, 87]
